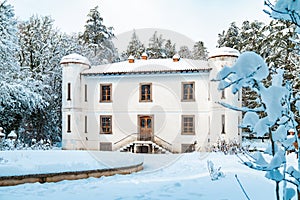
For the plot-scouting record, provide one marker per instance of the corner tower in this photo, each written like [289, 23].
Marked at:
[72, 66]
[223, 121]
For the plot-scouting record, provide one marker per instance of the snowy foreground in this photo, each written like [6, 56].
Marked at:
[172, 176]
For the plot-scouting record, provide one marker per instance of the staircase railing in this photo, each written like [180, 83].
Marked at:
[119, 143]
[163, 143]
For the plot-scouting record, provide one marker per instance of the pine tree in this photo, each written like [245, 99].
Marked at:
[199, 51]
[97, 39]
[135, 47]
[95, 31]
[251, 36]
[184, 52]
[170, 49]
[155, 49]
[8, 41]
[230, 38]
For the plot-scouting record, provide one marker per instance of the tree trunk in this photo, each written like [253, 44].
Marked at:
[273, 153]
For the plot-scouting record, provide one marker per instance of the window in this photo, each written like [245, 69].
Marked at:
[105, 93]
[105, 124]
[69, 92]
[105, 146]
[185, 148]
[223, 124]
[188, 125]
[85, 124]
[69, 123]
[188, 93]
[85, 93]
[223, 94]
[146, 92]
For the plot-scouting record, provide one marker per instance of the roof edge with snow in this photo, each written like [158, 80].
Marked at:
[75, 58]
[224, 51]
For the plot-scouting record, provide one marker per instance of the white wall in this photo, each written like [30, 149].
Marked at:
[166, 107]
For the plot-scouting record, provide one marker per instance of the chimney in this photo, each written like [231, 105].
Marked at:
[176, 58]
[131, 59]
[144, 56]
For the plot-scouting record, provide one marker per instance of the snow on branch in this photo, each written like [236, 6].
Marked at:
[285, 10]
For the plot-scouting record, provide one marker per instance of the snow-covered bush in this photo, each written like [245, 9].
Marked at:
[12, 144]
[274, 116]
[215, 173]
[227, 147]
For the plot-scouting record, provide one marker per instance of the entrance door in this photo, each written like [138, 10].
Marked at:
[146, 128]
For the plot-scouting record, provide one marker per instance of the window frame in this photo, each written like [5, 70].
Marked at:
[223, 124]
[183, 127]
[183, 94]
[101, 125]
[140, 92]
[105, 146]
[69, 124]
[85, 124]
[69, 91]
[187, 148]
[85, 93]
[101, 93]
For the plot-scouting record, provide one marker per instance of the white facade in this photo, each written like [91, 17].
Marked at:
[147, 105]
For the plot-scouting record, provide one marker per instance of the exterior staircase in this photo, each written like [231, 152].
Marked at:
[144, 147]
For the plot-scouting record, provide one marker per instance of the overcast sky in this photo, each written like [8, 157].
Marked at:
[199, 20]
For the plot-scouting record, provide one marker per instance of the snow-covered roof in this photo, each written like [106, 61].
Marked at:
[149, 66]
[224, 51]
[144, 54]
[75, 58]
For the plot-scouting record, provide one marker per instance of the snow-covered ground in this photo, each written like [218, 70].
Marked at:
[41, 162]
[172, 176]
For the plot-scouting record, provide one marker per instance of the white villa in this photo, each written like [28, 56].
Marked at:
[147, 105]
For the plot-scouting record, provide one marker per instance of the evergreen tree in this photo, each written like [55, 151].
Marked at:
[274, 43]
[155, 49]
[97, 39]
[8, 41]
[199, 51]
[135, 47]
[41, 48]
[230, 38]
[170, 49]
[251, 36]
[184, 52]
[18, 99]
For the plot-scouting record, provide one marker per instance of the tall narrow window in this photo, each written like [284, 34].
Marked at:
[223, 124]
[105, 92]
[188, 93]
[85, 92]
[69, 92]
[188, 125]
[239, 129]
[105, 124]
[223, 94]
[208, 91]
[69, 123]
[146, 92]
[208, 125]
[85, 124]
